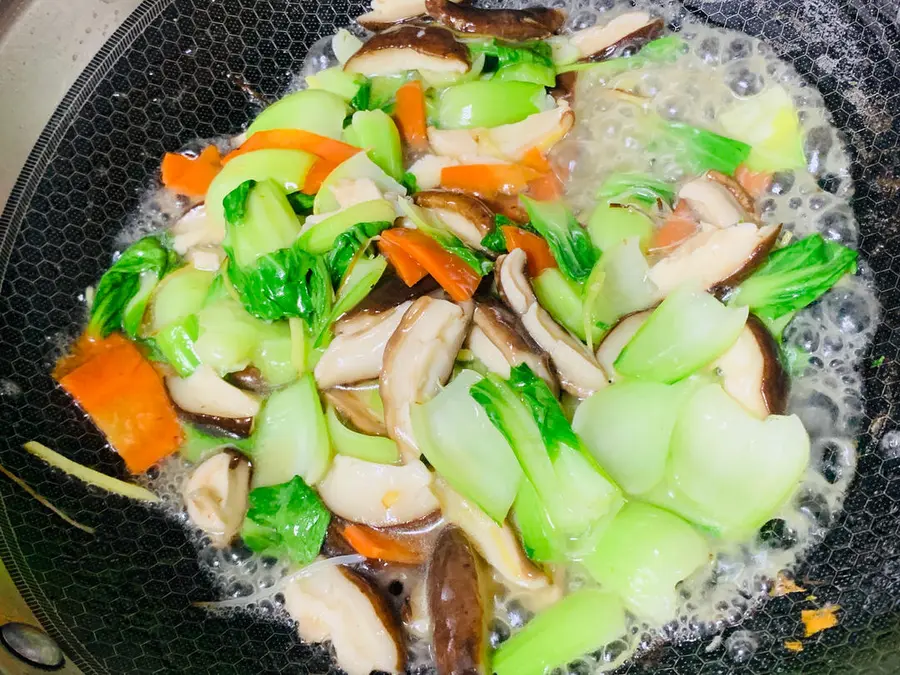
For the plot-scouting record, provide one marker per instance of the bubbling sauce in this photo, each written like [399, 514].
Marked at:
[829, 339]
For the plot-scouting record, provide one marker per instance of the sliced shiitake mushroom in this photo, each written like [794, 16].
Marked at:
[564, 91]
[357, 351]
[622, 36]
[205, 393]
[404, 47]
[501, 342]
[579, 373]
[715, 259]
[336, 604]
[467, 217]
[713, 203]
[614, 341]
[752, 372]
[216, 495]
[737, 191]
[387, 13]
[378, 494]
[238, 427]
[509, 24]
[415, 539]
[389, 292]
[418, 359]
[248, 379]
[355, 403]
[459, 606]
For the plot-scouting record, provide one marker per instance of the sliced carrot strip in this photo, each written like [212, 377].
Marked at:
[535, 159]
[296, 139]
[409, 113]
[405, 265]
[536, 249]
[449, 270]
[678, 227]
[127, 400]
[488, 179]
[317, 173]
[546, 188]
[756, 183]
[377, 545]
[191, 176]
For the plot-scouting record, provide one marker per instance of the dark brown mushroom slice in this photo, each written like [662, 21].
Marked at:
[234, 427]
[388, 13]
[754, 260]
[459, 606]
[408, 47]
[506, 333]
[468, 217]
[418, 537]
[629, 44]
[509, 24]
[248, 379]
[216, 495]
[752, 372]
[741, 196]
[565, 87]
[353, 405]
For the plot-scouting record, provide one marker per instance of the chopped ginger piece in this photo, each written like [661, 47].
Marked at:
[817, 620]
[793, 645]
[785, 585]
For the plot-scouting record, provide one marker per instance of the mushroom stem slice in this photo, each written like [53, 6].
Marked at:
[337, 604]
[615, 342]
[509, 24]
[737, 191]
[459, 606]
[360, 405]
[205, 393]
[216, 495]
[357, 352]
[407, 47]
[713, 203]
[627, 32]
[418, 359]
[467, 217]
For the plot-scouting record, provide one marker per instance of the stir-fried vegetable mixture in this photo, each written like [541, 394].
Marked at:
[383, 329]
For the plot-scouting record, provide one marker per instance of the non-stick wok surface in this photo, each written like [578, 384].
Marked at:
[120, 601]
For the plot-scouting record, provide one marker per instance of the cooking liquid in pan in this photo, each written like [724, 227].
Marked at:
[832, 335]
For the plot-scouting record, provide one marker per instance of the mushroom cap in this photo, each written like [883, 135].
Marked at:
[337, 604]
[509, 24]
[248, 379]
[498, 328]
[459, 606]
[216, 495]
[616, 339]
[205, 393]
[357, 352]
[418, 359]
[354, 404]
[466, 216]
[407, 47]
[378, 494]
[752, 372]
[716, 258]
[627, 32]
[713, 203]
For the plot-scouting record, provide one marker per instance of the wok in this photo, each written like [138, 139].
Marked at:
[119, 601]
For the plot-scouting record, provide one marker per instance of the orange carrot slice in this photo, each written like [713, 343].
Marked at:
[377, 545]
[296, 139]
[453, 274]
[756, 183]
[488, 179]
[678, 227]
[191, 176]
[126, 398]
[536, 249]
[409, 113]
[535, 159]
[409, 271]
[317, 174]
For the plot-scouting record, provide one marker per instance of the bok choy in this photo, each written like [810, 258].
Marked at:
[570, 244]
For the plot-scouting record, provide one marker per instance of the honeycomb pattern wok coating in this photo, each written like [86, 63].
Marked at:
[119, 601]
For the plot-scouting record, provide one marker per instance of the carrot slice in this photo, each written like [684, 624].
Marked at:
[377, 545]
[756, 183]
[126, 399]
[535, 159]
[488, 179]
[678, 227]
[449, 270]
[536, 249]
[191, 176]
[296, 139]
[409, 113]
[406, 266]
[546, 188]
[317, 173]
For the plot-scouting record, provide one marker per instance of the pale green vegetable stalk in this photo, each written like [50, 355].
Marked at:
[582, 622]
[376, 132]
[89, 476]
[358, 166]
[336, 81]
[354, 444]
[459, 441]
[563, 299]
[180, 294]
[489, 104]
[319, 238]
[687, 331]
[316, 110]
[291, 437]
